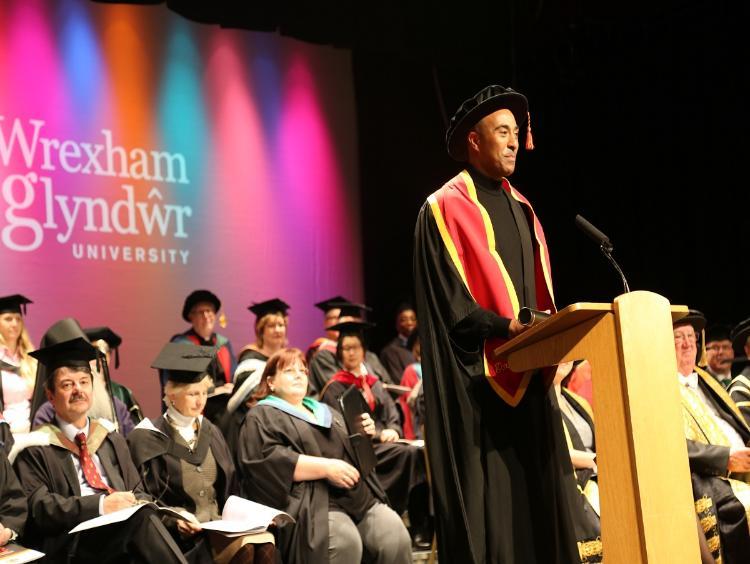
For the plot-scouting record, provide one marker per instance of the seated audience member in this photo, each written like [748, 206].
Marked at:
[579, 381]
[412, 379]
[331, 313]
[298, 454]
[271, 321]
[17, 367]
[82, 469]
[740, 386]
[719, 353]
[324, 363]
[200, 309]
[13, 505]
[578, 421]
[186, 463]
[107, 341]
[397, 355]
[717, 436]
[103, 404]
[400, 467]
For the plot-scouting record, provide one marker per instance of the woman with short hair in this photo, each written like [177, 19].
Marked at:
[186, 464]
[295, 452]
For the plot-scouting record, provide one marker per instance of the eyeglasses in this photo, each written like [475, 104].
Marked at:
[351, 348]
[679, 337]
[718, 347]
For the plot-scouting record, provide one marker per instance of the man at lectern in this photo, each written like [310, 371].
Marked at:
[501, 472]
[717, 436]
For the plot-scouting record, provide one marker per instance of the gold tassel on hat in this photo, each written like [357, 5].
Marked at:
[223, 320]
[529, 138]
[703, 361]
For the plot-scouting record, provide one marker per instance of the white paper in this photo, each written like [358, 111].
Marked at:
[107, 519]
[242, 515]
[19, 554]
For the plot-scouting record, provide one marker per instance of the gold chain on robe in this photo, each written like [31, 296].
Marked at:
[700, 426]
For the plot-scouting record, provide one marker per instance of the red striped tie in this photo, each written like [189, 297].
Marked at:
[90, 473]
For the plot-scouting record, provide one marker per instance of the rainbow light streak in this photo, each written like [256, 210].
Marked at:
[265, 128]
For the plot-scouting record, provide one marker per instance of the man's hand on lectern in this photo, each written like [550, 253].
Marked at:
[515, 328]
[739, 460]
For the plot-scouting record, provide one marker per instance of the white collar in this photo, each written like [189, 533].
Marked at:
[70, 431]
[180, 420]
[691, 380]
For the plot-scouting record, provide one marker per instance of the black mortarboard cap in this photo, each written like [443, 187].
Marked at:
[331, 303]
[103, 334]
[184, 362]
[350, 309]
[694, 318]
[196, 297]
[108, 336]
[76, 352]
[269, 306]
[14, 304]
[718, 332]
[351, 327]
[483, 103]
[66, 329]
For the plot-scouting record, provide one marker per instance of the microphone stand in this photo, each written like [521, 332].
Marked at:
[608, 253]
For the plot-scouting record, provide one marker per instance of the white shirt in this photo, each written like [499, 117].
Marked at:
[70, 431]
[183, 424]
[691, 381]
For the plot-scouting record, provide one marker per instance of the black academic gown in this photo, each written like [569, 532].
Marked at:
[586, 521]
[6, 438]
[49, 479]
[324, 365]
[231, 423]
[500, 474]
[708, 463]
[13, 504]
[270, 444]
[400, 466]
[395, 358]
[157, 457]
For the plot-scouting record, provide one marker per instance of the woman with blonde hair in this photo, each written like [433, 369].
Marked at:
[185, 462]
[271, 320]
[17, 367]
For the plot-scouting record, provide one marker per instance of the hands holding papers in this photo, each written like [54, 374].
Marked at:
[242, 516]
[239, 517]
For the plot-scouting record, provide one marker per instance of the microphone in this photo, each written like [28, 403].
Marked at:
[594, 234]
[605, 245]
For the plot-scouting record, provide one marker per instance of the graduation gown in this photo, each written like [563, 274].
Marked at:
[13, 505]
[739, 390]
[395, 358]
[49, 479]
[500, 466]
[157, 456]
[270, 444]
[251, 365]
[324, 365]
[586, 521]
[713, 487]
[400, 466]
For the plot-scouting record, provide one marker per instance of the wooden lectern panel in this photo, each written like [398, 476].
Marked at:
[647, 512]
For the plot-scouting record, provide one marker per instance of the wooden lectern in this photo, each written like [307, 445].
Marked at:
[647, 511]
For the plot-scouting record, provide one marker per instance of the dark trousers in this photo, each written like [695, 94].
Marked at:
[141, 539]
